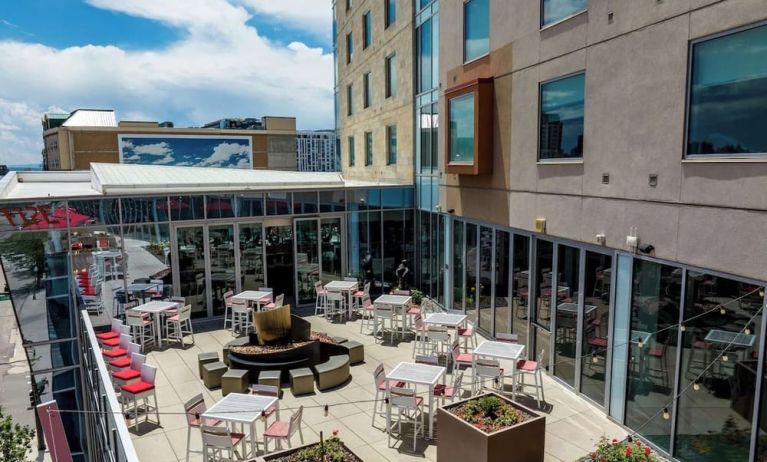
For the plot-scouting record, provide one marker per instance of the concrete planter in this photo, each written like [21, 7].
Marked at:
[274, 456]
[460, 441]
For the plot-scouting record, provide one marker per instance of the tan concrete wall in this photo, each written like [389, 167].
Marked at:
[701, 213]
[396, 110]
[280, 123]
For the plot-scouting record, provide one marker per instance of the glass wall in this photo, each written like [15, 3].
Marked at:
[655, 304]
[191, 267]
[520, 289]
[458, 259]
[501, 266]
[461, 129]
[222, 269]
[307, 259]
[567, 307]
[561, 124]
[472, 251]
[251, 256]
[485, 279]
[544, 261]
[596, 319]
[332, 249]
[398, 229]
[728, 94]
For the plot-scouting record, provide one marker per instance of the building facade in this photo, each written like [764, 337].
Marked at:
[374, 88]
[96, 136]
[316, 151]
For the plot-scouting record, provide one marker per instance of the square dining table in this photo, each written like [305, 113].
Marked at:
[445, 319]
[156, 307]
[500, 350]
[255, 296]
[399, 302]
[242, 409]
[347, 287]
[416, 374]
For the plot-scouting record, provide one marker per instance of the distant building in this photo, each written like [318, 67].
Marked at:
[316, 151]
[73, 141]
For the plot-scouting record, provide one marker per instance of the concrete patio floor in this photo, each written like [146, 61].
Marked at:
[573, 425]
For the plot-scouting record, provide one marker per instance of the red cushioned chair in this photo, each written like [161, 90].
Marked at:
[283, 431]
[194, 408]
[141, 390]
[114, 342]
[124, 362]
[130, 374]
[114, 332]
[120, 351]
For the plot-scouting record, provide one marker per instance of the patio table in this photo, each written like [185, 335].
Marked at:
[399, 302]
[254, 296]
[242, 409]
[500, 350]
[417, 374]
[155, 308]
[348, 287]
[724, 337]
[102, 256]
[445, 319]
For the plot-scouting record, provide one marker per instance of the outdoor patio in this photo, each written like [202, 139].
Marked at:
[573, 426]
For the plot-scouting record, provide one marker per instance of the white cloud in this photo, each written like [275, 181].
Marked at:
[312, 15]
[224, 152]
[221, 67]
[156, 149]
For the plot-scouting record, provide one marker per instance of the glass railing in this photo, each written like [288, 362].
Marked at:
[108, 435]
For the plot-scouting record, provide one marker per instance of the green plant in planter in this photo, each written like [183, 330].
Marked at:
[621, 451]
[331, 450]
[489, 413]
[416, 296]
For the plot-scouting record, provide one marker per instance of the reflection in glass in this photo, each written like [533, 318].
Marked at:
[555, 10]
[440, 249]
[425, 255]
[222, 277]
[425, 48]
[461, 128]
[332, 201]
[191, 268]
[476, 29]
[304, 202]
[307, 259]
[565, 336]
[397, 198]
[279, 260]
[520, 287]
[251, 256]
[368, 230]
[561, 126]
[332, 246]
[714, 416]
[250, 205]
[502, 265]
[398, 247]
[596, 299]
[144, 210]
[652, 354]
[471, 271]
[278, 203]
[458, 265]
[97, 211]
[728, 94]
[484, 283]
[544, 258]
[185, 207]
[220, 206]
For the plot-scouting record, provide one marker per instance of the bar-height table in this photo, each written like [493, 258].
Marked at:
[417, 374]
[239, 408]
[500, 350]
[155, 308]
[445, 319]
[399, 302]
[347, 287]
[255, 296]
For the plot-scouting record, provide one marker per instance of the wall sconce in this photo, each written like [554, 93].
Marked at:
[601, 239]
[540, 225]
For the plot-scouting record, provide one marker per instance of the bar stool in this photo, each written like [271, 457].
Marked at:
[141, 391]
[320, 300]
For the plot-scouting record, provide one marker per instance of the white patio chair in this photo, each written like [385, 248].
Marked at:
[484, 370]
[384, 312]
[382, 385]
[142, 327]
[320, 295]
[526, 367]
[220, 444]
[141, 390]
[409, 407]
[283, 431]
[179, 325]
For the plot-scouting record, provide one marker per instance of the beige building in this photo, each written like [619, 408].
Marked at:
[95, 136]
[374, 88]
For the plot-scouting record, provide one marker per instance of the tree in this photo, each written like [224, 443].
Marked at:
[15, 439]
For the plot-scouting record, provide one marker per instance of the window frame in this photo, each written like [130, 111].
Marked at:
[559, 160]
[482, 164]
[367, 30]
[686, 156]
[485, 54]
[350, 149]
[348, 5]
[368, 148]
[349, 48]
[544, 26]
[390, 86]
[389, 130]
[366, 90]
[349, 99]
[388, 4]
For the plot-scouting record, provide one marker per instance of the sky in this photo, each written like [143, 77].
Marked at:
[187, 61]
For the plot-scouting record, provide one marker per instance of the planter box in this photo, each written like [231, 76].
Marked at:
[277, 455]
[460, 441]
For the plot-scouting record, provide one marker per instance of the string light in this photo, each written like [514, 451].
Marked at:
[722, 310]
[666, 414]
[682, 328]
[696, 386]
[640, 344]
[594, 359]
[748, 330]
[327, 409]
[725, 358]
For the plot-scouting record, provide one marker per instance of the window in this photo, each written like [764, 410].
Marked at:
[728, 95]
[461, 127]
[476, 29]
[391, 145]
[366, 90]
[427, 38]
[391, 12]
[391, 76]
[349, 48]
[348, 5]
[351, 151]
[367, 30]
[557, 10]
[561, 125]
[368, 148]
[349, 105]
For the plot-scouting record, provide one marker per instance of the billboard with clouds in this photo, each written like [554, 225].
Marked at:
[187, 150]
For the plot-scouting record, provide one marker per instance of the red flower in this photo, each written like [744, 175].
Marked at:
[647, 451]
[615, 441]
[628, 451]
[593, 456]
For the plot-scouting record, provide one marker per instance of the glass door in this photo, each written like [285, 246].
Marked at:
[251, 237]
[565, 300]
[596, 318]
[485, 278]
[332, 249]
[279, 258]
[307, 259]
[222, 267]
[190, 251]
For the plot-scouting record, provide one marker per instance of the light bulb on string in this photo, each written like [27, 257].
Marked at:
[696, 386]
[681, 327]
[326, 410]
[594, 359]
[722, 311]
[640, 344]
[725, 358]
[747, 330]
[666, 414]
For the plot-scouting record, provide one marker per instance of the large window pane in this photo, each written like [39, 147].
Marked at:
[307, 259]
[397, 198]
[367, 30]
[652, 354]
[367, 90]
[728, 94]
[555, 10]
[484, 281]
[398, 247]
[501, 269]
[391, 147]
[219, 206]
[332, 201]
[391, 76]
[544, 261]
[191, 268]
[391, 12]
[562, 118]
[278, 203]
[94, 212]
[458, 291]
[304, 202]
[222, 277]
[461, 113]
[332, 246]
[476, 29]
[471, 271]
[99, 272]
[715, 415]
[596, 299]
[425, 255]
[144, 210]
[368, 148]
[520, 287]
[250, 205]
[565, 337]
[425, 54]
[146, 257]
[371, 261]
[251, 256]
[185, 207]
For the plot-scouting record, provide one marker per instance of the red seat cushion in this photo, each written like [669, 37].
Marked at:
[598, 342]
[120, 362]
[442, 390]
[115, 352]
[465, 331]
[414, 311]
[359, 293]
[107, 335]
[278, 429]
[655, 351]
[137, 387]
[195, 421]
[270, 305]
[111, 342]
[700, 344]
[463, 358]
[527, 365]
[173, 318]
[393, 384]
[126, 374]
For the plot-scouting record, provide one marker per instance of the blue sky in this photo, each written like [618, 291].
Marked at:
[189, 61]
